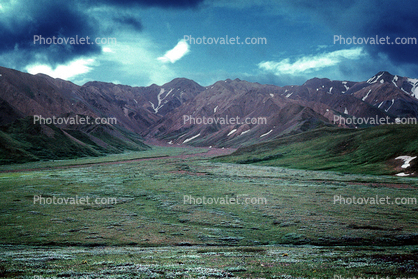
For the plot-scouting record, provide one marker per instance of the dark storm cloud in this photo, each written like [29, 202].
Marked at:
[129, 21]
[46, 19]
[148, 3]
[396, 22]
[21, 20]
[368, 19]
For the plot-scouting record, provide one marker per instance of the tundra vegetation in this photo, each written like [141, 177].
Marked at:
[151, 233]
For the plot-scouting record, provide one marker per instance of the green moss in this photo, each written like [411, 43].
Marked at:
[347, 150]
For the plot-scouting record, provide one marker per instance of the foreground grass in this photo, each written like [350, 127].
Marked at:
[152, 206]
[131, 237]
[214, 262]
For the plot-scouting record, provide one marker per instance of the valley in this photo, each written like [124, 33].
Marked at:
[151, 232]
[160, 113]
[208, 139]
[151, 196]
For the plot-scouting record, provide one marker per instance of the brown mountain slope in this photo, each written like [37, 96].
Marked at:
[271, 114]
[169, 112]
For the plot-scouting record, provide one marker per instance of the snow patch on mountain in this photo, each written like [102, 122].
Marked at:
[263, 135]
[374, 79]
[330, 90]
[160, 100]
[245, 132]
[168, 93]
[345, 85]
[288, 95]
[406, 161]
[395, 78]
[393, 101]
[271, 95]
[367, 95]
[192, 138]
[414, 83]
[215, 109]
[346, 111]
[232, 131]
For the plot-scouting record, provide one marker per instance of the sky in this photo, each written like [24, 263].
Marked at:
[141, 42]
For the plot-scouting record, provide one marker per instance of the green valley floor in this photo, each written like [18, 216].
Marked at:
[171, 212]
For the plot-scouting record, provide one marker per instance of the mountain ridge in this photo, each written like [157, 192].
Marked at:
[379, 97]
[159, 111]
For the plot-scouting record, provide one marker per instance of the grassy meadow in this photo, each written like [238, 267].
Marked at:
[151, 232]
[363, 151]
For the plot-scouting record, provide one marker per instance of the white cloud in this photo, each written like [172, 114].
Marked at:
[134, 60]
[180, 50]
[310, 63]
[74, 68]
[106, 49]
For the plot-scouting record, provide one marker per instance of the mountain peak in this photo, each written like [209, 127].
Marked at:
[382, 76]
[158, 111]
[316, 82]
[182, 83]
[98, 84]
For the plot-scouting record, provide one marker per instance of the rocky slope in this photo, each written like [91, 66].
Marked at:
[289, 109]
[174, 111]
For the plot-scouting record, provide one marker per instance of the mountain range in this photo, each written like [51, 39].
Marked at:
[160, 112]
